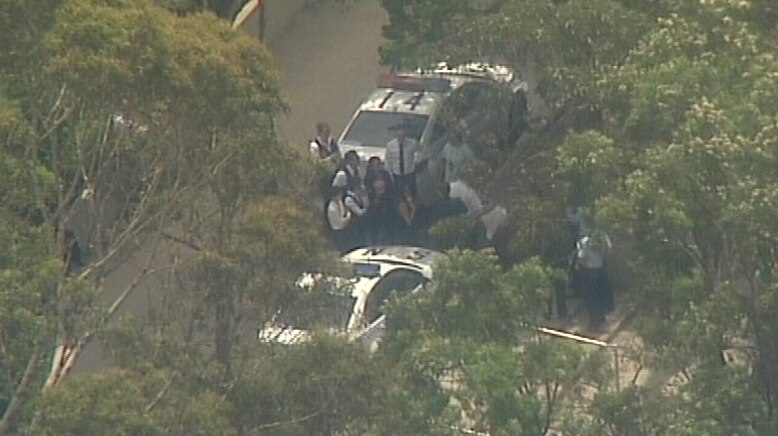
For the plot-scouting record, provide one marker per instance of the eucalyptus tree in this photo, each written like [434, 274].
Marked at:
[121, 123]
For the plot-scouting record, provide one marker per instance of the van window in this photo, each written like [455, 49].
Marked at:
[376, 128]
[400, 281]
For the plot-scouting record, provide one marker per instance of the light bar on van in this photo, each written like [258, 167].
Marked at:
[414, 83]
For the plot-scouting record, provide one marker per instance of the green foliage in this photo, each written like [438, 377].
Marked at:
[98, 404]
[276, 225]
[222, 8]
[634, 411]
[472, 339]
[475, 299]
[685, 105]
[676, 153]
[567, 42]
[588, 164]
[675, 150]
[417, 25]
[318, 388]
[453, 232]
[722, 401]
[117, 120]
[123, 402]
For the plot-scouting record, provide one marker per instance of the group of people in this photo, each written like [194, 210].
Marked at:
[376, 209]
[383, 206]
[387, 205]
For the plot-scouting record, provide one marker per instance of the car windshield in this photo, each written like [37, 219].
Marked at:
[376, 128]
[319, 310]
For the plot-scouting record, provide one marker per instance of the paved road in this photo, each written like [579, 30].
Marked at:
[329, 61]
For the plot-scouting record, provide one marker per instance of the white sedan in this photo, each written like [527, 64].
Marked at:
[352, 306]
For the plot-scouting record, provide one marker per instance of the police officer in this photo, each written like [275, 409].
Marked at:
[401, 158]
[591, 278]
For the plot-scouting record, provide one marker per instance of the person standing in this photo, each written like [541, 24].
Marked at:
[401, 158]
[381, 217]
[324, 146]
[456, 153]
[338, 215]
[72, 258]
[375, 171]
[591, 278]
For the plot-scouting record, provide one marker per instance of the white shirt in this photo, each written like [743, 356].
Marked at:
[315, 148]
[455, 156]
[338, 216]
[410, 148]
[460, 191]
[493, 220]
[358, 208]
[590, 251]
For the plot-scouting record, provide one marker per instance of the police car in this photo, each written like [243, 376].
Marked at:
[352, 305]
[429, 103]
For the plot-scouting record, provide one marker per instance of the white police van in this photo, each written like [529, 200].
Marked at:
[429, 103]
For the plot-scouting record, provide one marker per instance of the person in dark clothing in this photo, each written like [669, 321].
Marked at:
[375, 170]
[459, 199]
[517, 118]
[407, 212]
[559, 299]
[350, 165]
[358, 203]
[590, 279]
[381, 218]
[73, 256]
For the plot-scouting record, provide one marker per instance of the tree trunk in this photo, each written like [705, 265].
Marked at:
[22, 391]
[223, 343]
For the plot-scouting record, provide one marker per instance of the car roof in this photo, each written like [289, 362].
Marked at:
[394, 100]
[421, 259]
[388, 98]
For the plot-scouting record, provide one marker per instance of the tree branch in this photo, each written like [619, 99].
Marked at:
[257, 430]
[160, 394]
[20, 395]
[75, 352]
[182, 241]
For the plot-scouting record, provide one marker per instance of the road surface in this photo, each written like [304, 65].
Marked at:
[328, 58]
[329, 62]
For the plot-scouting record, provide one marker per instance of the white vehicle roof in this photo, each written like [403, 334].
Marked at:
[412, 100]
[375, 263]
[398, 100]
[422, 91]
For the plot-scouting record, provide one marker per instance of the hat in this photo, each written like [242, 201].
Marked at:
[340, 180]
